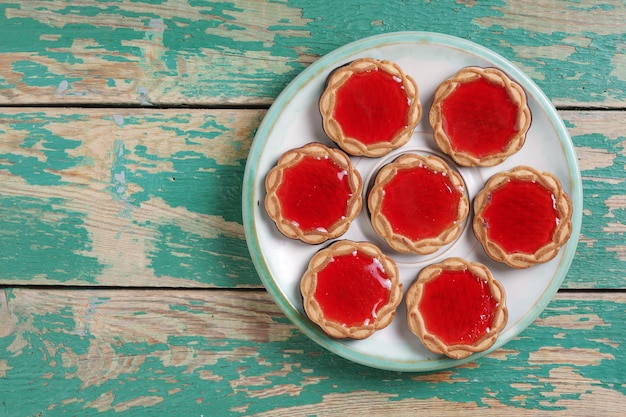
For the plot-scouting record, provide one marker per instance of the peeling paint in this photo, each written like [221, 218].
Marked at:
[235, 341]
[150, 197]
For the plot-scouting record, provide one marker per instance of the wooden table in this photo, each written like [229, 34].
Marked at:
[127, 287]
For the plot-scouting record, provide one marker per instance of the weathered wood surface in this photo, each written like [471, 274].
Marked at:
[215, 353]
[99, 192]
[131, 197]
[124, 197]
[242, 52]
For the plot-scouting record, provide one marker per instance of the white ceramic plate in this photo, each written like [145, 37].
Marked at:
[294, 120]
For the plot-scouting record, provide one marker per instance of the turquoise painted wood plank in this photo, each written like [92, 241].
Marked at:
[232, 353]
[153, 198]
[124, 198]
[240, 52]
[601, 149]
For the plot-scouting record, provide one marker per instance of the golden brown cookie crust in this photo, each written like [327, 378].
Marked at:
[274, 179]
[431, 341]
[333, 128]
[561, 233]
[515, 92]
[308, 284]
[382, 226]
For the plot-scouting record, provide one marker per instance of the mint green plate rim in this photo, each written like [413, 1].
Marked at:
[330, 61]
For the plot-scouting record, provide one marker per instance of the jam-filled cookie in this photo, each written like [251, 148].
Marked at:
[522, 217]
[456, 308]
[370, 107]
[418, 204]
[480, 116]
[313, 193]
[351, 289]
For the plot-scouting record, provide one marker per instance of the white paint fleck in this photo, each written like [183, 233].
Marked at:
[118, 119]
[121, 177]
[157, 24]
[144, 98]
[63, 86]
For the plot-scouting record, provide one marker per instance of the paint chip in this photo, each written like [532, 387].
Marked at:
[157, 24]
[63, 86]
[121, 177]
[144, 99]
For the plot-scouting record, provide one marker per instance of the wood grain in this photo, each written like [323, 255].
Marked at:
[152, 198]
[124, 197]
[233, 353]
[239, 52]
[125, 127]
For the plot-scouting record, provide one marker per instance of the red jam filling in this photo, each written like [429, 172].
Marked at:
[521, 216]
[372, 106]
[352, 288]
[420, 203]
[457, 307]
[314, 193]
[479, 118]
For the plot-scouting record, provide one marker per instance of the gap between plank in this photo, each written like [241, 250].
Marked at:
[243, 289]
[192, 106]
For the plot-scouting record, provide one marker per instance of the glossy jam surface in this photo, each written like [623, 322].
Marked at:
[372, 106]
[479, 118]
[314, 193]
[521, 216]
[352, 288]
[420, 203]
[457, 307]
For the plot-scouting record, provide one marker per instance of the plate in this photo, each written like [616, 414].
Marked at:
[294, 120]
